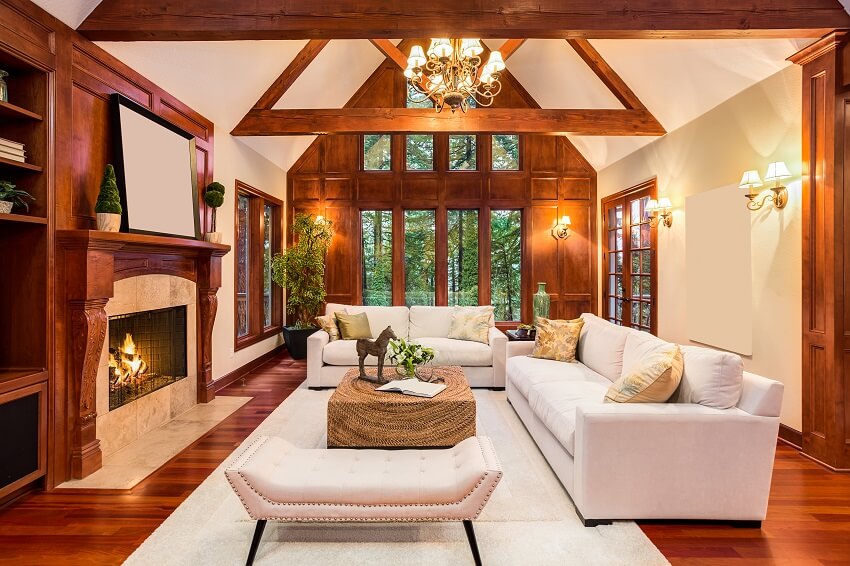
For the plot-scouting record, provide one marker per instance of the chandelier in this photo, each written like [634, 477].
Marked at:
[451, 74]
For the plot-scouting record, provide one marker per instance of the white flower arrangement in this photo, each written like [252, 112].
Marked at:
[408, 355]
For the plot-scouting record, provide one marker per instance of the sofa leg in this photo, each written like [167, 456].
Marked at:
[497, 389]
[318, 388]
[746, 524]
[592, 522]
[255, 543]
[473, 545]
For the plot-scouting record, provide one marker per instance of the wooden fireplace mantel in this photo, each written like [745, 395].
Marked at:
[91, 262]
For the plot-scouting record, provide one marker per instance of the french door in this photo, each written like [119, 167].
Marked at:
[630, 259]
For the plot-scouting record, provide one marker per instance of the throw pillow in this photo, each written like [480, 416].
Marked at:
[557, 339]
[328, 324]
[470, 324]
[652, 380]
[353, 326]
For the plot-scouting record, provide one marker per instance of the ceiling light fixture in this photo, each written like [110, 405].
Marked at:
[449, 74]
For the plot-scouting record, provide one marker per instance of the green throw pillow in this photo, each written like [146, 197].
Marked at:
[353, 326]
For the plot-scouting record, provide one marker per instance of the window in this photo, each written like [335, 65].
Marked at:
[419, 153]
[463, 257]
[506, 263]
[376, 152]
[413, 93]
[376, 228]
[630, 259]
[419, 232]
[505, 152]
[259, 301]
[462, 153]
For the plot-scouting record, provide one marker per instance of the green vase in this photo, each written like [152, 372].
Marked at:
[541, 302]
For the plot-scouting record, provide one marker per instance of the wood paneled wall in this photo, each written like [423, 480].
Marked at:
[826, 250]
[553, 180]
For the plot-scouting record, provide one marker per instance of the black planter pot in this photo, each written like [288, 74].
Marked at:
[296, 341]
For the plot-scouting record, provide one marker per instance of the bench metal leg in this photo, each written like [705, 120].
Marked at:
[255, 543]
[470, 536]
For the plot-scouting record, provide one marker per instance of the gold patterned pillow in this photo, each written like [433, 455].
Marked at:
[328, 324]
[653, 379]
[557, 339]
[471, 323]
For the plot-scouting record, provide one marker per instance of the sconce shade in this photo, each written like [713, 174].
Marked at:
[565, 220]
[750, 180]
[664, 204]
[777, 171]
[651, 206]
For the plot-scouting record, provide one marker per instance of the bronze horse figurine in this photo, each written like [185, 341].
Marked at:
[377, 348]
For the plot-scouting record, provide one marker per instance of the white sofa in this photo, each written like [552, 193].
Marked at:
[483, 364]
[706, 454]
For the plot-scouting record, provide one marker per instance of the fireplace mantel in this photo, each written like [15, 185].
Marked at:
[88, 264]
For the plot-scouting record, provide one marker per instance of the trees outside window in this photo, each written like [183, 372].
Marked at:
[506, 263]
[376, 229]
[419, 152]
[463, 153]
[377, 152]
[463, 257]
[505, 152]
[419, 242]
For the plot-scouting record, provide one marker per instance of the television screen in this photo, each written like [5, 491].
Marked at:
[156, 173]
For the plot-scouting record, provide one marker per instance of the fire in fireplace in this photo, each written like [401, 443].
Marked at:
[147, 351]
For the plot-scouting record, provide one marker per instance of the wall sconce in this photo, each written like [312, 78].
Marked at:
[561, 231]
[660, 213]
[751, 180]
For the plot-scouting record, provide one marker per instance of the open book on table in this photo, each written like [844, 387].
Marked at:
[412, 387]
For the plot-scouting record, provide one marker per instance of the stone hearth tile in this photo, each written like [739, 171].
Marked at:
[112, 477]
[154, 410]
[214, 411]
[116, 429]
[182, 291]
[183, 396]
[123, 299]
[153, 292]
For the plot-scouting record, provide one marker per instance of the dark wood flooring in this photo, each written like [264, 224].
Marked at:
[808, 521]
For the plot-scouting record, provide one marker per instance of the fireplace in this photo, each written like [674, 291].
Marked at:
[147, 351]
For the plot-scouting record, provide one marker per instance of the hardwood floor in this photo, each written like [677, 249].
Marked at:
[808, 520]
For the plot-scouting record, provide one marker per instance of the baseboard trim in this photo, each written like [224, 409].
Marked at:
[791, 437]
[241, 372]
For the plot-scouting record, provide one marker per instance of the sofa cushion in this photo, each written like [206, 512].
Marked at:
[652, 380]
[640, 344]
[379, 317]
[450, 352]
[711, 378]
[525, 372]
[600, 346]
[344, 353]
[555, 404]
[557, 339]
[353, 326]
[436, 321]
[469, 323]
[328, 324]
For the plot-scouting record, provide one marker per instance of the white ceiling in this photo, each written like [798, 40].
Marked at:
[72, 12]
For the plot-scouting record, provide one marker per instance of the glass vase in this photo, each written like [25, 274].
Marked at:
[541, 302]
[424, 372]
[4, 89]
[405, 372]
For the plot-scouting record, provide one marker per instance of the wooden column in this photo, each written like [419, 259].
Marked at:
[826, 251]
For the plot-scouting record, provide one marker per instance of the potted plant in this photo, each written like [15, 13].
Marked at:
[301, 271]
[108, 205]
[525, 330]
[10, 197]
[214, 197]
[408, 357]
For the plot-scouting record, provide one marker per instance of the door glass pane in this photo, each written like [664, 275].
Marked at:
[635, 262]
[646, 287]
[243, 231]
[636, 287]
[619, 236]
[462, 153]
[635, 212]
[419, 153]
[376, 228]
[646, 261]
[376, 152]
[419, 231]
[635, 242]
[505, 152]
[645, 235]
[506, 263]
[635, 316]
[619, 265]
[463, 257]
[268, 216]
[645, 314]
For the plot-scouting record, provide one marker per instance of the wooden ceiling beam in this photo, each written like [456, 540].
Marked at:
[212, 20]
[594, 122]
[606, 74]
[509, 47]
[297, 66]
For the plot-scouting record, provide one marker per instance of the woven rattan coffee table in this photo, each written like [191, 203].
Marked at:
[360, 417]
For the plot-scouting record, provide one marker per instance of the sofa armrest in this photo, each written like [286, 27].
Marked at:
[666, 460]
[316, 343]
[520, 348]
[499, 345]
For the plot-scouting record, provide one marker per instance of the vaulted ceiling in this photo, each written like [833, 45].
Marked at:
[677, 79]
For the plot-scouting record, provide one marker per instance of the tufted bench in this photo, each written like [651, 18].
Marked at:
[277, 481]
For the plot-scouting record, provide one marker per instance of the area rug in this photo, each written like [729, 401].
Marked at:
[530, 519]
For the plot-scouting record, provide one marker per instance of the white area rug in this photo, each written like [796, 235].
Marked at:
[530, 519]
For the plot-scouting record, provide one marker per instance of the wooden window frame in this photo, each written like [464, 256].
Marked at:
[257, 331]
[363, 154]
[360, 280]
[448, 164]
[523, 255]
[647, 188]
[519, 147]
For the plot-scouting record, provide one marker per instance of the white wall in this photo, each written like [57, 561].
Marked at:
[760, 125]
[222, 81]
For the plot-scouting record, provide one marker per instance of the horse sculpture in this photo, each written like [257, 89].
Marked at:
[377, 348]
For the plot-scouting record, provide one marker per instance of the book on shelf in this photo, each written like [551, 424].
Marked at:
[10, 145]
[12, 156]
[412, 387]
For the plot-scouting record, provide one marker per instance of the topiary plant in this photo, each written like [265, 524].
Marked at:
[108, 199]
[214, 197]
[9, 193]
[301, 268]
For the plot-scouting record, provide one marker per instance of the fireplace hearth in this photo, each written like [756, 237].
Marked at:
[147, 351]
